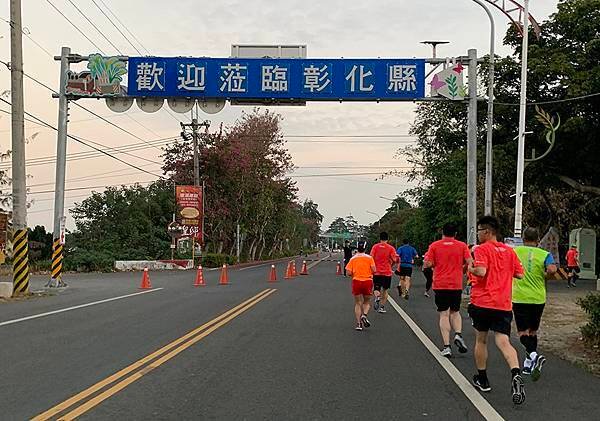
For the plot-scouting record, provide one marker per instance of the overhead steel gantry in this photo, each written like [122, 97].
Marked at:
[514, 11]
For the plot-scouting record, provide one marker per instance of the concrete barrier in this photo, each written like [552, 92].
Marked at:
[6, 289]
[127, 265]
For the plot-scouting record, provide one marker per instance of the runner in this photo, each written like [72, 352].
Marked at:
[385, 256]
[447, 257]
[495, 266]
[361, 268]
[428, 273]
[347, 254]
[407, 254]
[529, 298]
[572, 266]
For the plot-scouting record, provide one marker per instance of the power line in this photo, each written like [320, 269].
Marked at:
[25, 32]
[87, 144]
[75, 26]
[95, 27]
[124, 26]
[125, 149]
[116, 27]
[84, 108]
[556, 101]
[95, 187]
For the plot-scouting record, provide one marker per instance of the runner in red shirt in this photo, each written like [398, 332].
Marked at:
[494, 268]
[572, 266]
[361, 268]
[385, 256]
[447, 257]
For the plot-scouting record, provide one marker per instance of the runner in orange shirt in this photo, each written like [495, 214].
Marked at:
[361, 268]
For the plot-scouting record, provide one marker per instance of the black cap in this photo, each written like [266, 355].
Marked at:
[361, 246]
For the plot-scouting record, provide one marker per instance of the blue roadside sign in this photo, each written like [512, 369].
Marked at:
[302, 79]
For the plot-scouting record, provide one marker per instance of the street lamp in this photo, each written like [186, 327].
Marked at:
[489, 152]
[378, 218]
[522, 106]
[393, 201]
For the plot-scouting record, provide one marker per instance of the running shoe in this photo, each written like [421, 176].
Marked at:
[358, 326]
[406, 295]
[481, 384]
[536, 367]
[518, 390]
[460, 343]
[365, 321]
[400, 293]
[426, 294]
[446, 352]
[527, 364]
[376, 304]
[381, 310]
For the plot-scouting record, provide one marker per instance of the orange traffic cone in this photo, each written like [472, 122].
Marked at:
[145, 280]
[288, 271]
[294, 273]
[273, 274]
[199, 282]
[304, 270]
[224, 279]
[338, 270]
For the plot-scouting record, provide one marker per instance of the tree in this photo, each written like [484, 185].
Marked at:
[560, 188]
[338, 226]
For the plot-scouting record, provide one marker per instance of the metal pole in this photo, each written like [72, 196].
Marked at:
[472, 150]
[489, 150]
[19, 187]
[61, 163]
[237, 237]
[195, 143]
[521, 145]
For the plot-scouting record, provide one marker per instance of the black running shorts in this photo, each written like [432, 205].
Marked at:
[404, 271]
[486, 319]
[448, 299]
[381, 281]
[528, 316]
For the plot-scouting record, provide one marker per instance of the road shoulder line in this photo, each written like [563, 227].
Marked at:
[62, 310]
[480, 403]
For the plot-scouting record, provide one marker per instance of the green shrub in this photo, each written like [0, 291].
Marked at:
[213, 260]
[591, 330]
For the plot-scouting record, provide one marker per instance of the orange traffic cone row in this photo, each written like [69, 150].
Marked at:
[338, 270]
[294, 273]
[145, 280]
[288, 271]
[273, 274]
[304, 270]
[224, 278]
[199, 282]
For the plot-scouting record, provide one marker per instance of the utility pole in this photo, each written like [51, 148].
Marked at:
[489, 150]
[522, 108]
[472, 150]
[19, 187]
[194, 126]
[61, 163]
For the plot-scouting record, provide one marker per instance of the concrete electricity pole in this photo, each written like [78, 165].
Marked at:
[19, 188]
[58, 234]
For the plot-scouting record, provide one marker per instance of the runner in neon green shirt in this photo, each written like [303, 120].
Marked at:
[529, 298]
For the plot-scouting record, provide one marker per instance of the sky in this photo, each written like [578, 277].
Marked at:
[332, 29]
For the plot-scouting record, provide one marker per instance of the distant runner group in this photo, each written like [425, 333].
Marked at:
[504, 283]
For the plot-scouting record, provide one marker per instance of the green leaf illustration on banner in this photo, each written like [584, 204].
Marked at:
[452, 86]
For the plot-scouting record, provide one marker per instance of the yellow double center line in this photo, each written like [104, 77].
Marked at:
[165, 353]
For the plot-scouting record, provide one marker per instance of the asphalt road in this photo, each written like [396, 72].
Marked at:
[291, 353]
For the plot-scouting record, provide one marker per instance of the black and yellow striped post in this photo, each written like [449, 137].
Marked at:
[57, 262]
[20, 262]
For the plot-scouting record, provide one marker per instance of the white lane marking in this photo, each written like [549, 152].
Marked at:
[37, 316]
[483, 406]
[312, 265]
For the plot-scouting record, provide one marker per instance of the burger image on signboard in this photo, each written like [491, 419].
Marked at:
[190, 213]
